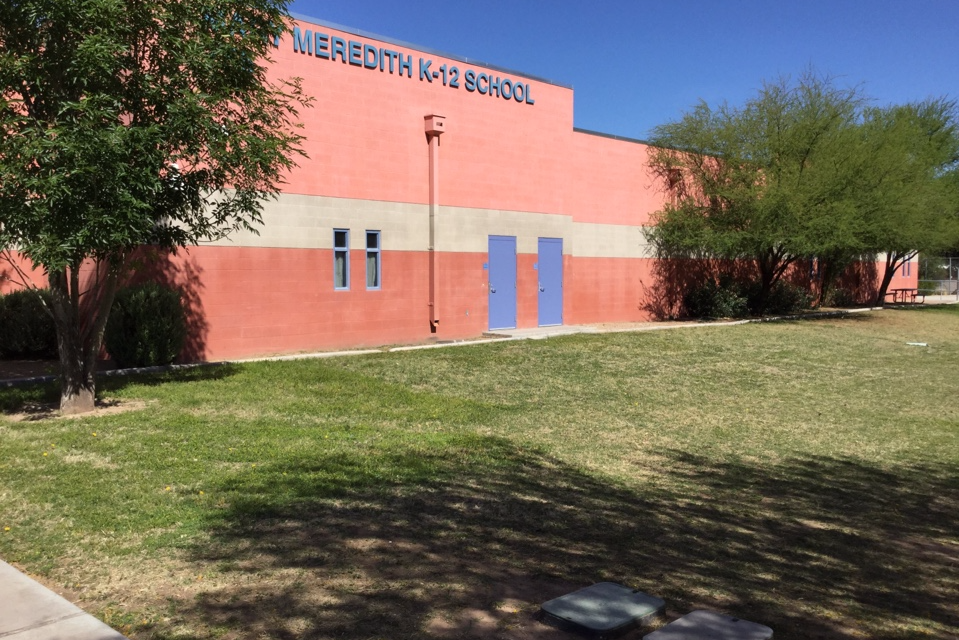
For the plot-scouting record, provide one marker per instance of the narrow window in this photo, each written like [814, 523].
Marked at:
[341, 259]
[373, 263]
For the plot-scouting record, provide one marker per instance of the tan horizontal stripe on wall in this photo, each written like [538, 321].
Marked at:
[468, 230]
[307, 222]
[608, 241]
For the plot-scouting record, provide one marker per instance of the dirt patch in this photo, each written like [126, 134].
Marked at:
[47, 411]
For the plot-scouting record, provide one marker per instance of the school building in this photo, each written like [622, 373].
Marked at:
[442, 198]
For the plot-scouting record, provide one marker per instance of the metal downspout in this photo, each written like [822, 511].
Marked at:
[435, 125]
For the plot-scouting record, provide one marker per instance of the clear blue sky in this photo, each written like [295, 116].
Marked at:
[638, 63]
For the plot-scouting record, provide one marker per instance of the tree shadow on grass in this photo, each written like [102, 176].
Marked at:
[173, 374]
[46, 395]
[467, 542]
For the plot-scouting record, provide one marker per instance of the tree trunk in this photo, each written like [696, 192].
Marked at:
[77, 384]
[829, 269]
[893, 261]
[884, 286]
[80, 319]
[831, 265]
[765, 288]
[766, 272]
[772, 266]
[887, 275]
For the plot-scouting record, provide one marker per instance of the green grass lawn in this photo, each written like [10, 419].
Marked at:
[802, 475]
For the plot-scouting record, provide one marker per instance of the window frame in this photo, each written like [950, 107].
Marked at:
[343, 250]
[376, 251]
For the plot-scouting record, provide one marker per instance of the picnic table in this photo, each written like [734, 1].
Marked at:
[905, 294]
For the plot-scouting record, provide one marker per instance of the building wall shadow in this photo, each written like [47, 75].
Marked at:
[860, 280]
[183, 273]
[674, 278]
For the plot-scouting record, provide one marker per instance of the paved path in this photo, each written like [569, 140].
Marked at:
[30, 611]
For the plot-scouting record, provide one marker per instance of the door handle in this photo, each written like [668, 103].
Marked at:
[492, 289]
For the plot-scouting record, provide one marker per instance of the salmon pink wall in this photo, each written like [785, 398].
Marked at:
[606, 290]
[610, 181]
[255, 301]
[906, 276]
[266, 301]
[900, 280]
[10, 279]
[365, 139]
[365, 133]
[463, 295]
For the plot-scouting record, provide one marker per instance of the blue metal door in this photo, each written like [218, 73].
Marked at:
[550, 270]
[502, 282]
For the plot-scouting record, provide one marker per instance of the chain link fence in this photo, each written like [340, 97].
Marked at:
[939, 276]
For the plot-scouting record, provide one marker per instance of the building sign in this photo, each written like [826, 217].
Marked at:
[323, 46]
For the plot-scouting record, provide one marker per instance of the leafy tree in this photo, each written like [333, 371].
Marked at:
[125, 123]
[807, 171]
[909, 184]
[763, 185]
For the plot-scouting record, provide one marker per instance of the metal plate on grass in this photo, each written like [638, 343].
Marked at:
[708, 625]
[604, 610]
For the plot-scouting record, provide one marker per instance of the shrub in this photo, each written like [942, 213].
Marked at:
[731, 299]
[147, 326]
[840, 298]
[783, 298]
[26, 329]
[716, 300]
[787, 298]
